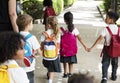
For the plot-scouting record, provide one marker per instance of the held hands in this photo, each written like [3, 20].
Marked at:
[88, 49]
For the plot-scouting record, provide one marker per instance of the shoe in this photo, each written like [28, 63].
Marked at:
[69, 74]
[103, 81]
[113, 78]
[65, 75]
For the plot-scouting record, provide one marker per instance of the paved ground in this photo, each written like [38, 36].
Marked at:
[89, 22]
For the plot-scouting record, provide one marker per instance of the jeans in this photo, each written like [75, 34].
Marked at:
[31, 76]
[106, 62]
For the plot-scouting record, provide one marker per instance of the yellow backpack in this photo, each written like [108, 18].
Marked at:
[4, 77]
[50, 46]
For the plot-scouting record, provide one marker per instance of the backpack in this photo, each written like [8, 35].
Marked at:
[68, 44]
[49, 12]
[29, 53]
[50, 47]
[4, 76]
[113, 49]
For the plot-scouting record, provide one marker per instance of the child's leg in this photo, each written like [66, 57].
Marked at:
[65, 68]
[51, 74]
[70, 68]
[114, 63]
[105, 65]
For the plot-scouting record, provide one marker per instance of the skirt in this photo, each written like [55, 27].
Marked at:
[71, 59]
[52, 65]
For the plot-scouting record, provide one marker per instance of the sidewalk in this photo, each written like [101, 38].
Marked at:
[89, 22]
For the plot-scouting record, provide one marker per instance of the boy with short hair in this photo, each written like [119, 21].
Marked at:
[25, 25]
[111, 19]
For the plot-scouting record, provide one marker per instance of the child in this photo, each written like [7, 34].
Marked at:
[68, 18]
[46, 4]
[111, 19]
[11, 49]
[25, 25]
[81, 78]
[52, 64]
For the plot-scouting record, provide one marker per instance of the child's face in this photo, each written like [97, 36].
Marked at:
[108, 20]
[31, 26]
[20, 53]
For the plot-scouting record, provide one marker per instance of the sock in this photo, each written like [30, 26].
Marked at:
[49, 81]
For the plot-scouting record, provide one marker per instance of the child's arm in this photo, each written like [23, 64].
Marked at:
[96, 42]
[38, 51]
[80, 40]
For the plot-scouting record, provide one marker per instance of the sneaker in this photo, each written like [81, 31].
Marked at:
[113, 78]
[65, 75]
[69, 74]
[104, 81]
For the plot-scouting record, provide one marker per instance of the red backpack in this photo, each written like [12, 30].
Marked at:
[68, 44]
[113, 49]
[50, 11]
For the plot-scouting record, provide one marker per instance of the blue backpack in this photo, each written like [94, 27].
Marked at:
[28, 51]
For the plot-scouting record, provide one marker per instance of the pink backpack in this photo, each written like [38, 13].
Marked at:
[114, 49]
[68, 44]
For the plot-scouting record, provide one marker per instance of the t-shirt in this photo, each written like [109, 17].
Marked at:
[17, 75]
[75, 31]
[105, 33]
[35, 45]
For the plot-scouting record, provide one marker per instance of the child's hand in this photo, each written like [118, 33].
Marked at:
[89, 49]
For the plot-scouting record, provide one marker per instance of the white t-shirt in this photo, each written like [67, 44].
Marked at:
[49, 32]
[17, 75]
[35, 45]
[75, 31]
[105, 33]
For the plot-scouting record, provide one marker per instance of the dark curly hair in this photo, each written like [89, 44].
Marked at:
[68, 17]
[81, 78]
[10, 43]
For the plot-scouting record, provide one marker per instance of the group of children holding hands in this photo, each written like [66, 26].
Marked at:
[12, 48]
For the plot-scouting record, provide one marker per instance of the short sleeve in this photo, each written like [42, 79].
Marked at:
[42, 38]
[75, 31]
[103, 32]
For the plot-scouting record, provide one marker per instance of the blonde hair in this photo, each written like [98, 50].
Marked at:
[52, 20]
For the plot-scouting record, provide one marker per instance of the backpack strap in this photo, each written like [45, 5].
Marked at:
[27, 36]
[45, 34]
[8, 66]
[62, 29]
[51, 37]
[110, 32]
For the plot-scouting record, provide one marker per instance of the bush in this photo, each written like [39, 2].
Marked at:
[68, 2]
[58, 6]
[33, 8]
[107, 5]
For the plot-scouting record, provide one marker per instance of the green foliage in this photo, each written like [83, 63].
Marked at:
[33, 7]
[107, 5]
[58, 6]
[68, 2]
